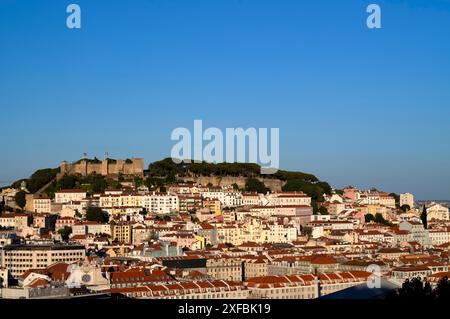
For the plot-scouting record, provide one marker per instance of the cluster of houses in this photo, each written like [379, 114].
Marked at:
[195, 241]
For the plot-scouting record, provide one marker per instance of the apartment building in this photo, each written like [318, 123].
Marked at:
[251, 199]
[288, 198]
[437, 212]
[226, 197]
[121, 200]
[69, 195]
[439, 236]
[303, 286]
[190, 202]
[408, 272]
[42, 203]
[122, 232]
[224, 268]
[208, 289]
[161, 203]
[230, 233]
[407, 199]
[89, 227]
[21, 257]
[18, 221]
[62, 222]
[256, 267]
[290, 265]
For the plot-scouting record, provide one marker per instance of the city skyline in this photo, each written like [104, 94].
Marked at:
[354, 106]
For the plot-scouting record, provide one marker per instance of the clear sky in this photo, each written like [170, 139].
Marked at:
[354, 106]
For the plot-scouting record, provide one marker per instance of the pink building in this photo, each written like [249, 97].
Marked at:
[350, 192]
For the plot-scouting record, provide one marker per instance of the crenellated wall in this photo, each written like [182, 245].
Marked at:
[105, 168]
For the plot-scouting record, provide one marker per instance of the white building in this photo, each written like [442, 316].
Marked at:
[407, 199]
[20, 258]
[69, 195]
[437, 211]
[161, 203]
[226, 198]
[439, 236]
[42, 204]
[91, 228]
[288, 199]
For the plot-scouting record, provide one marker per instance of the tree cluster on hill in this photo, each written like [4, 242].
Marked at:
[167, 166]
[314, 190]
[165, 172]
[95, 214]
[378, 218]
[20, 199]
[255, 185]
[38, 179]
[165, 169]
[93, 183]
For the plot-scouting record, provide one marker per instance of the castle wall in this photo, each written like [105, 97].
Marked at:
[104, 168]
[275, 185]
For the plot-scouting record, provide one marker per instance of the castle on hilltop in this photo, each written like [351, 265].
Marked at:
[106, 167]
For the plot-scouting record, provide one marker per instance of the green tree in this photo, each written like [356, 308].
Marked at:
[405, 208]
[138, 182]
[380, 219]
[255, 185]
[2, 206]
[20, 199]
[397, 199]
[369, 218]
[38, 179]
[194, 219]
[95, 214]
[315, 191]
[67, 182]
[65, 232]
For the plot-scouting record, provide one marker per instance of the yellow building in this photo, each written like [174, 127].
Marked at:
[122, 233]
[213, 205]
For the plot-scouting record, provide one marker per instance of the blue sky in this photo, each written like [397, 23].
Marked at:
[354, 105]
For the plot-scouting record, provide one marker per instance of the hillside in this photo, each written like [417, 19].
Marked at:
[245, 176]
[239, 173]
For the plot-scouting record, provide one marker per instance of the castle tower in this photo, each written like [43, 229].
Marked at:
[104, 170]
